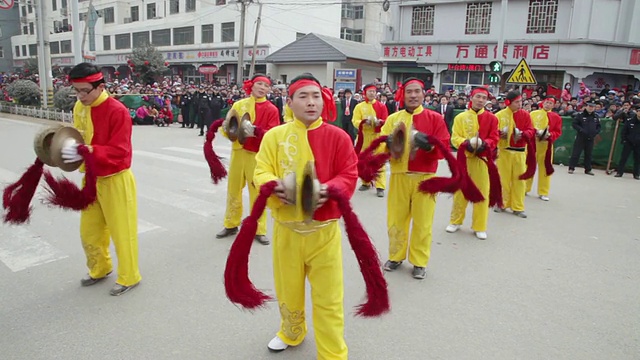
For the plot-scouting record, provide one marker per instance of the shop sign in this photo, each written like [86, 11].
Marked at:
[208, 69]
[466, 67]
[635, 57]
[467, 52]
[345, 74]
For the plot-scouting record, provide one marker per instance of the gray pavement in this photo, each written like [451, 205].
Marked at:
[562, 284]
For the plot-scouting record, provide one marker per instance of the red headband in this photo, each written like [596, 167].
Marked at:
[370, 87]
[91, 78]
[509, 102]
[477, 90]
[550, 99]
[329, 112]
[248, 84]
[400, 92]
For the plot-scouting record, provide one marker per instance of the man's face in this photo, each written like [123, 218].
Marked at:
[626, 106]
[479, 99]
[444, 101]
[371, 94]
[516, 105]
[306, 104]
[260, 89]
[86, 93]
[413, 96]
[590, 108]
[548, 105]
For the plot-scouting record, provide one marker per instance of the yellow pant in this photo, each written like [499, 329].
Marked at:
[406, 203]
[318, 256]
[479, 174]
[544, 181]
[113, 215]
[241, 168]
[381, 180]
[512, 164]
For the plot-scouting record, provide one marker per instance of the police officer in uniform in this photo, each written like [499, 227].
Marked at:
[631, 143]
[203, 106]
[184, 102]
[587, 126]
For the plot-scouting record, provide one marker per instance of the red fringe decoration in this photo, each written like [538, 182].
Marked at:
[217, 170]
[360, 141]
[467, 186]
[547, 159]
[370, 266]
[66, 194]
[495, 187]
[238, 286]
[368, 164]
[531, 159]
[443, 184]
[379, 127]
[16, 198]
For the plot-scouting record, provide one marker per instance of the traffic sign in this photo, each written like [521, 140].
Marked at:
[6, 4]
[495, 66]
[522, 75]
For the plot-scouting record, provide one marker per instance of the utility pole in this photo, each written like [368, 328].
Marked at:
[75, 29]
[255, 43]
[503, 27]
[243, 15]
[44, 54]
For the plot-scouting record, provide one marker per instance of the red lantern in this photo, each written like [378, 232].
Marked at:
[166, 63]
[116, 73]
[26, 70]
[146, 63]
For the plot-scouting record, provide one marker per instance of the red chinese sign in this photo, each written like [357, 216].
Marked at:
[466, 67]
[635, 57]
[468, 52]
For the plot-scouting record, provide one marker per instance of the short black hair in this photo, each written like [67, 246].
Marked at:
[512, 95]
[83, 70]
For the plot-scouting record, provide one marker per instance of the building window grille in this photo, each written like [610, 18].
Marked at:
[478, 18]
[207, 33]
[135, 13]
[190, 6]
[109, 17]
[161, 37]
[54, 47]
[65, 47]
[542, 16]
[183, 36]
[228, 32]
[106, 42]
[174, 6]
[140, 39]
[151, 11]
[422, 20]
[123, 41]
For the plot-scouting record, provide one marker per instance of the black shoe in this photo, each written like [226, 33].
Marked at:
[618, 175]
[88, 280]
[419, 272]
[227, 232]
[364, 188]
[118, 289]
[262, 239]
[201, 134]
[589, 173]
[637, 177]
[571, 171]
[380, 193]
[391, 265]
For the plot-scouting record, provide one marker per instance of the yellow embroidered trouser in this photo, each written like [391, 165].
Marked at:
[241, 168]
[511, 164]
[406, 203]
[381, 180]
[113, 215]
[479, 175]
[544, 181]
[318, 256]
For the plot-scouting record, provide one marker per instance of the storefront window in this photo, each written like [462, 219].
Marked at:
[459, 80]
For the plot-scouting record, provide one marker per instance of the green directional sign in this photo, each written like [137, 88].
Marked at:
[495, 66]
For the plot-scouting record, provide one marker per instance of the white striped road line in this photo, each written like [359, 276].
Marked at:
[7, 177]
[182, 202]
[20, 249]
[25, 123]
[179, 160]
[218, 149]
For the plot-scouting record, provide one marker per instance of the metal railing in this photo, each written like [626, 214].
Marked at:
[40, 113]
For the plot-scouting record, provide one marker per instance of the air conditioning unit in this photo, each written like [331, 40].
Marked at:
[23, 19]
[127, 20]
[64, 12]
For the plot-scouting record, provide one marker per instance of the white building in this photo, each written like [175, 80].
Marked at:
[364, 21]
[562, 40]
[190, 33]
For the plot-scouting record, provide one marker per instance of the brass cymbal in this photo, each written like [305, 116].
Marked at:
[61, 136]
[42, 144]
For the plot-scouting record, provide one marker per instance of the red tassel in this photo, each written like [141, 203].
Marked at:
[495, 187]
[531, 160]
[442, 184]
[379, 127]
[16, 198]
[238, 286]
[547, 159]
[360, 141]
[467, 186]
[370, 266]
[368, 164]
[66, 194]
[217, 170]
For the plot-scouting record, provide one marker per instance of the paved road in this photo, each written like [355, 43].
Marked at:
[562, 284]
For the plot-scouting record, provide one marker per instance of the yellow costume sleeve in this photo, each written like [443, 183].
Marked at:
[288, 114]
[266, 166]
[457, 131]
[357, 115]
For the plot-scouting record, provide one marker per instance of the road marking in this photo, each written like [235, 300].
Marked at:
[182, 202]
[145, 226]
[218, 149]
[21, 249]
[190, 162]
[26, 123]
